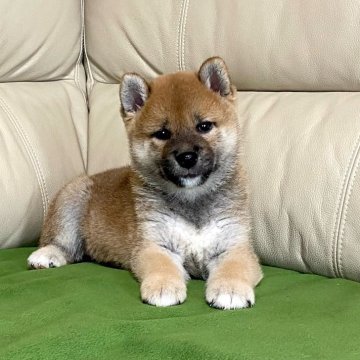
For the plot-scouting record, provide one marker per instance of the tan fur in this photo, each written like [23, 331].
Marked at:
[110, 224]
[123, 217]
[237, 273]
[158, 274]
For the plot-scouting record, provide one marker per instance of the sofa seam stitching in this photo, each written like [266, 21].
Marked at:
[31, 153]
[337, 221]
[77, 66]
[77, 70]
[178, 42]
[184, 34]
[92, 81]
[337, 236]
[349, 188]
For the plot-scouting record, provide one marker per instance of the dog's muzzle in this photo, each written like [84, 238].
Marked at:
[187, 169]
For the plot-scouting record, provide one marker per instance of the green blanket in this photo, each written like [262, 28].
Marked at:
[88, 311]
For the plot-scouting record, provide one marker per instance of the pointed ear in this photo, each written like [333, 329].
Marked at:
[134, 91]
[214, 75]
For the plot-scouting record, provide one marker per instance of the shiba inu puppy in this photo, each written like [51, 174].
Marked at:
[180, 209]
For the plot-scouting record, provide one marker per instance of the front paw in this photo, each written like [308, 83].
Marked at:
[49, 256]
[229, 294]
[161, 290]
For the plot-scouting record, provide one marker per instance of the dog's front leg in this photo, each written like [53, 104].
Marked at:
[161, 275]
[232, 278]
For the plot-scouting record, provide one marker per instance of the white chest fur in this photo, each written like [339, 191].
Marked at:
[196, 247]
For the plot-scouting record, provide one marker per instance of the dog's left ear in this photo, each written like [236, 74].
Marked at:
[134, 91]
[214, 75]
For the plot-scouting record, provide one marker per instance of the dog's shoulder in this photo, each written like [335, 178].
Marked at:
[113, 177]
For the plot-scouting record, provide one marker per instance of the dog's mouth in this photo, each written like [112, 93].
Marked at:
[190, 181]
[185, 179]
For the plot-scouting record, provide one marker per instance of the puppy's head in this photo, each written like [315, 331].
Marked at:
[182, 128]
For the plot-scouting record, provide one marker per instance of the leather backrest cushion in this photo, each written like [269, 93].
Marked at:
[43, 110]
[307, 45]
[43, 145]
[39, 39]
[302, 152]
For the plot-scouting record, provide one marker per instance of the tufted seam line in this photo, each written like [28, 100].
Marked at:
[77, 68]
[90, 78]
[178, 40]
[78, 62]
[341, 212]
[350, 185]
[181, 31]
[183, 34]
[31, 153]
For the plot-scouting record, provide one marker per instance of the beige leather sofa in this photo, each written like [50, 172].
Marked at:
[296, 68]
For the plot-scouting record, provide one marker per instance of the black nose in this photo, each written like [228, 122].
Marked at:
[187, 159]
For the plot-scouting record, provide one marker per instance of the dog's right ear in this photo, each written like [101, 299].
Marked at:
[134, 91]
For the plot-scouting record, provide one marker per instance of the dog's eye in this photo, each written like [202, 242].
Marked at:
[162, 134]
[204, 127]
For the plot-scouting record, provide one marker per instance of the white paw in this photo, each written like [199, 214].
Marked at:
[46, 257]
[163, 292]
[230, 295]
